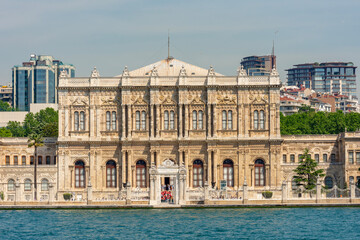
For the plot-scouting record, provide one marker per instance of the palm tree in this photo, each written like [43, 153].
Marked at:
[35, 140]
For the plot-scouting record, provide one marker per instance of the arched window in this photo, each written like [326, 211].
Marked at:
[228, 167]
[194, 120]
[111, 174]
[259, 173]
[108, 121]
[197, 173]
[76, 121]
[82, 120]
[113, 121]
[262, 120]
[201, 123]
[166, 120]
[256, 119]
[27, 185]
[44, 185]
[172, 120]
[79, 174]
[224, 120]
[329, 182]
[143, 120]
[137, 120]
[141, 174]
[230, 120]
[11, 185]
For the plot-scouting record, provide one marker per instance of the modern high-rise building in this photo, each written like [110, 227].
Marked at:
[35, 81]
[259, 65]
[328, 77]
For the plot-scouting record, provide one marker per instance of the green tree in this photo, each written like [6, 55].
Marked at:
[4, 132]
[16, 129]
[4, 106]
[305, 108]
[35, 140]
[307, 172]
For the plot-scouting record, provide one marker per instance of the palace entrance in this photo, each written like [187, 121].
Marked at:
[167, 183]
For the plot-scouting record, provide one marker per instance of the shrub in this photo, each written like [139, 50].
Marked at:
[2, 195]
[267, 194]
[67, 196]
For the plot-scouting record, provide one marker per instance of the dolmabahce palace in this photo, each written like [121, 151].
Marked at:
[172, 133]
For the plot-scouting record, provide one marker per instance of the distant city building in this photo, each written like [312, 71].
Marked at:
[329, 77]
[259, 65]
[6, 94]
[35, 81]
[289, 106]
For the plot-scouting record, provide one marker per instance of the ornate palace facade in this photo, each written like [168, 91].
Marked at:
[174, 125]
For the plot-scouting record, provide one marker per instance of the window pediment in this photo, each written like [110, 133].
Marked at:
[226, 100]
[80, 101]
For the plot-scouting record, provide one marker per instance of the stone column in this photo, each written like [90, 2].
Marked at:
[209, 167]
[17, 192]
[208, 118]
[66, 120]
[236, 179]
[123, 130]
[152, 190]
[130, 121]
[158, 123]
[186, 121]
[133, 177]
[92, 121]
[123, 168]
[206, 193]
[284, 192]
[51, 193]
[128, 194]
[318, 191]
[215, 177]
[98, 120]
[89, 192]
[245, 192]
[352, 190]
[180, 123]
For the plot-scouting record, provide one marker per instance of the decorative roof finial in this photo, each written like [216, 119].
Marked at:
[95, 73]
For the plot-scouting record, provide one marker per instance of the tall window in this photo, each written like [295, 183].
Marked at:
[172, 120]
[228, 168]
[7, 160]
[166, 120]
[76, 121]
[201, 122]
[23, 160]
[111, 174]
[292, 158]
[54, 160]
[198, 173]
[113, 121]
[194, 120]
[284, 158]
[47, 160]
[137, 120]
[82, 120]
[16, 162]
[143, 120]
[27, 185]
[108, 121]
[11, 185]
[262, 120]
[324, 157]
[31, 160]
[230, 120]
[79, 174]
[357, 157]
[44, 185]
[259, 173]
[332, 156]
[351, 157]
[317, 158]
[39, 160]
[141, 174]
[256, 119]
[224, 120]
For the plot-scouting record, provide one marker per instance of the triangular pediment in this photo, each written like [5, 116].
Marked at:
[170, 67]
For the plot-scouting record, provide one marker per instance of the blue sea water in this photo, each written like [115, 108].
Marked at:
[212, 223]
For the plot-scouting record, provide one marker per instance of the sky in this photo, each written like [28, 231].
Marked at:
[112, 34]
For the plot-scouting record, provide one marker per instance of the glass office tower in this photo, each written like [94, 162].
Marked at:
[35, 81]
[329, 77]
